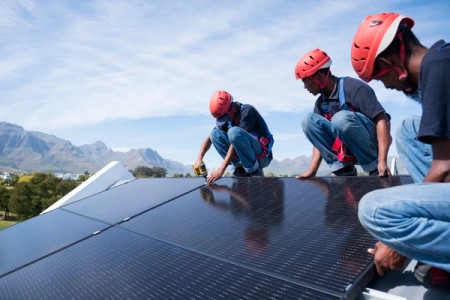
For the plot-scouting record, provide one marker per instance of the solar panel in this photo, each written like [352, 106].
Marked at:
[244, 238]
[303, 231]
[30, 240]
[117, 264]
[114, 205]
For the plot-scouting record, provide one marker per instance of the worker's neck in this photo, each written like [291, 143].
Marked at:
[330, 86]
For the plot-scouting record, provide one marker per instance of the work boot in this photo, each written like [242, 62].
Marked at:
[240, 172]
[257, 173]
[431, 276]
[348, 170]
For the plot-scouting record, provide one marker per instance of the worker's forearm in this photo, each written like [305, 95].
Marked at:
[315, 161]
[226, 161]
[383, 137]
[204, 148]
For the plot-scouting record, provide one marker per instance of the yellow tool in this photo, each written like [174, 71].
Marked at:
[200, 170]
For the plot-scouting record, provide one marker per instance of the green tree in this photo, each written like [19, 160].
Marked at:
[30, 197]
[159, 172]
[66, 186]
[25, 200]
[177, 175]
[85, 176]
[146, 172]
[143, 172]
[4, 201]
[46, 184]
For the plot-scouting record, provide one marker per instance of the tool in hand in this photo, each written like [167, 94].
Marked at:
[200, 170]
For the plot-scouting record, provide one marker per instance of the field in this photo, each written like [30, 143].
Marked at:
[10, 220]
[4, 224]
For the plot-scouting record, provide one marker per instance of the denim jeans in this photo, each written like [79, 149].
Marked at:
[245, 144]
[412, 219]
[354, 129]
[415, 155]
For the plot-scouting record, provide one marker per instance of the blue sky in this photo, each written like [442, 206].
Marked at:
[138, 74]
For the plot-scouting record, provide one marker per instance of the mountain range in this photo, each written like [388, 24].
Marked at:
[32, 151]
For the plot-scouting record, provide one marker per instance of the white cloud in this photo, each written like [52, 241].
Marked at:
[68, 63]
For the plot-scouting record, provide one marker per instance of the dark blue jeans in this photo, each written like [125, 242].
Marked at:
[415, 155]
[355, 130]
[245, 144]
[413, 219]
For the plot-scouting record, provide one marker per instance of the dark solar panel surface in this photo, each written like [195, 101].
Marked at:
[117, 264]
[306, 231]
[247, 238]
[38, 237]
[136, 196]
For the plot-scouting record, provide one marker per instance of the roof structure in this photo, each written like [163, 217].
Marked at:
[175, 238]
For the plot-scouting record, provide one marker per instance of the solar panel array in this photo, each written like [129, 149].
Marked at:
[243, 238]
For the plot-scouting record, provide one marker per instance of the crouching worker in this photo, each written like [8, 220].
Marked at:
[241, 137]
[410, 220]
[348, 126]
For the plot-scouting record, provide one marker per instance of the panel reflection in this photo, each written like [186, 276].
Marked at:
[259, 201]
[306, 231]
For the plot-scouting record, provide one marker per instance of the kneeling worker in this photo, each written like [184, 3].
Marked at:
[241, 137]
[348, 126]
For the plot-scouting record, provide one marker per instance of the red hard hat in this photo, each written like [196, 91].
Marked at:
[311, 62]
[220, 103]
[374, 35]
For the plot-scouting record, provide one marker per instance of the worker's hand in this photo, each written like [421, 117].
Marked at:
[383, 170]
[214, 176]
[198, 163]
[386, 259]
[306, 174]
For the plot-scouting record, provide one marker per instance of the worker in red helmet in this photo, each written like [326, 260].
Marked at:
[241, 137]
[348, 126]
[410, 220]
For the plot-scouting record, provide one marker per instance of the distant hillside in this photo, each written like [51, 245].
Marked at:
[29, 151]
[293, 167]
[99, 153]
[296, 166]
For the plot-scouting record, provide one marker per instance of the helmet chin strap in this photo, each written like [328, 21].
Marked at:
[324, 83]
[402, 73]
[401, 70]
